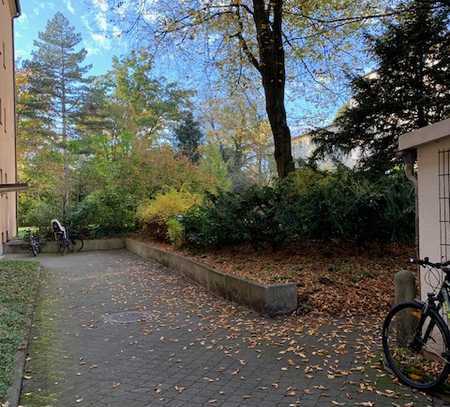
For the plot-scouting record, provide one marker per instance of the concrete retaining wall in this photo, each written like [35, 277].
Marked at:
[51, 247]
[269, 299]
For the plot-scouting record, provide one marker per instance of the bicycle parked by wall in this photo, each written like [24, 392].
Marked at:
[66, 241]
[34, 242]
[416, 337]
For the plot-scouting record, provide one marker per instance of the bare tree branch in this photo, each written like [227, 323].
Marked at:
[253, 60]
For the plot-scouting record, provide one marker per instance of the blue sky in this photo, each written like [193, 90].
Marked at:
[100, 38]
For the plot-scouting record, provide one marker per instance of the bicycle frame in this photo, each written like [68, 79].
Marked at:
[433, 305]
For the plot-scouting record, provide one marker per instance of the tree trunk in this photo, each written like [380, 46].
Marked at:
[64, 138]
[272, 67]
[276, 113]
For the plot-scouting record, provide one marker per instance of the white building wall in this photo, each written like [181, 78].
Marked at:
[429, 215]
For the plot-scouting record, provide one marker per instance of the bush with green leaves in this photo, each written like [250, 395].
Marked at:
[236, 217]
[347, 205]
[104, 213]
[310, 204]
[175, 232]
[39, 213]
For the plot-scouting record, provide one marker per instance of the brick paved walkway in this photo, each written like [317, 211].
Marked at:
[193, 349]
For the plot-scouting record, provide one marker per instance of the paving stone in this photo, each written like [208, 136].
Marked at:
[79, 357]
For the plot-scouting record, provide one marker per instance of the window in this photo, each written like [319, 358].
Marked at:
[444, 203]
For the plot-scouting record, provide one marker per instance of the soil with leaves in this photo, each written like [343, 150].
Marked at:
[333, 279]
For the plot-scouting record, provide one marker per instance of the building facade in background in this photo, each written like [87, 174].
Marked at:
[303, 148]
[9, 9]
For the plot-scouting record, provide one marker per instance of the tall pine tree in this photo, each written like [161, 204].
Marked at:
[188, 137]
[409, 89]
[58, 83]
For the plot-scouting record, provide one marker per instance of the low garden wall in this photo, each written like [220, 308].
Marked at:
[269, 299]
[52, 247]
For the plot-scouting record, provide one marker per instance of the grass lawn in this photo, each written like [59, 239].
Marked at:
[18, 284]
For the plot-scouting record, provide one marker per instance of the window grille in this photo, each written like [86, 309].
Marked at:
[444, 203]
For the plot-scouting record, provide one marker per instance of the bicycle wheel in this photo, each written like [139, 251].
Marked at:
[61, 247]
[77, 244]
[421, 363]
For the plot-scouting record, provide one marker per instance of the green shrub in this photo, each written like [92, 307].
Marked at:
[103, 213]
[236, 217]
[346, 205]
[37, 213]
[155, 214]
[338, 205]
[310, 204]
[175, 232]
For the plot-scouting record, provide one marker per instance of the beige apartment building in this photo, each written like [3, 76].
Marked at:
[9, 10]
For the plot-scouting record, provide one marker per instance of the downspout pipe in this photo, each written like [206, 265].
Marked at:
[409, 158]
[411, 175]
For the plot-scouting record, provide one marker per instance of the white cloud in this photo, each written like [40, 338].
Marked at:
[150, 16]
[21, 53]
[101, 10]
[101, 40]
[102, 34]
[69, 6]
[98, 40]
[86, 23]
[23, 20]
[101, 5]
[117, 33]
[151, 13]
[102, 22]
[91, 49]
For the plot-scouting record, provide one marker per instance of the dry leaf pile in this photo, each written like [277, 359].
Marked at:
[339, 280]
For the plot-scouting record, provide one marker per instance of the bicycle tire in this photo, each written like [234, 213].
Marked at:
[61, 248]
[440, 324]
[75, 246]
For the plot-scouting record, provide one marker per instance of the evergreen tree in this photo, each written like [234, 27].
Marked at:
[188, 137]
[410, 89]
[58, 84]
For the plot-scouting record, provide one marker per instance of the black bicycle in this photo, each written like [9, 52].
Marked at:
[416, 337]
[34, 242]
[68, 243]
[65, 239]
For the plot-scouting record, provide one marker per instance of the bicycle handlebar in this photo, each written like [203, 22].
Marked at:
[426, 262]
